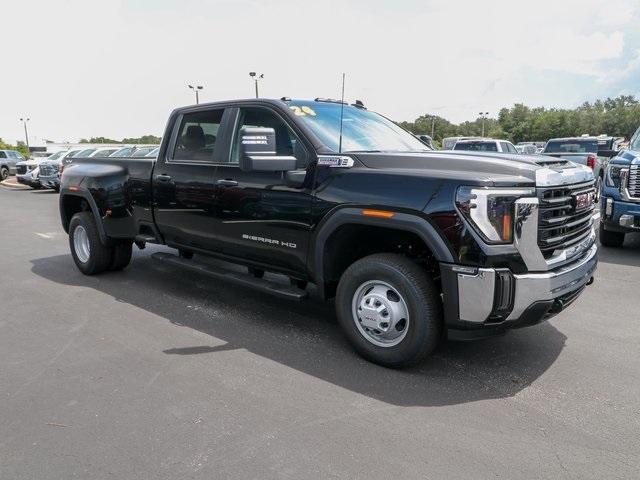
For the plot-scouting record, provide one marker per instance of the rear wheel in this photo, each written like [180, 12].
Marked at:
[390, 310]
[89, 253]
[4, 173]
[610, 239]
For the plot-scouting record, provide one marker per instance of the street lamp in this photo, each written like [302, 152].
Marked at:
[196, 89]
[256, 77]
[483, 116]
[26, 133]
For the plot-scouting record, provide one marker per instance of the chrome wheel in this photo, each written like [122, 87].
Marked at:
[380, 313]
[81, 244]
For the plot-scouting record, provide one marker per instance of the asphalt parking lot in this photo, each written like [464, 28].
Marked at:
[152, 373]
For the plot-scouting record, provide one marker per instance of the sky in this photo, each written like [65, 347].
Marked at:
[80, 68]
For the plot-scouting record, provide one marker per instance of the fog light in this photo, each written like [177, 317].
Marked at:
[627, 220]
[608, 209]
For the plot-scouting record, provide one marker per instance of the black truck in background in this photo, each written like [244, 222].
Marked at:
[412, 243]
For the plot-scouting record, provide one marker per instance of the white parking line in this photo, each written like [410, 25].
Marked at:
[596, 216]
[48, 235]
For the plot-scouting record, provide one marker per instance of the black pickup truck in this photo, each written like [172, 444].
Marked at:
[412, 243]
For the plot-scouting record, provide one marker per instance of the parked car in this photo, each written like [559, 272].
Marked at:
[143, 151]
[8, 160]
[584, 150]
[102, 152]
[50, 170]
[123, 152]
[449, 142]
[153, 153]
[486, 145]
[409, 241]
[527, 149]
[28, 171]
[620, 198]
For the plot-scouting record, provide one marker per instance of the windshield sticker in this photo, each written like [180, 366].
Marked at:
[302, 111]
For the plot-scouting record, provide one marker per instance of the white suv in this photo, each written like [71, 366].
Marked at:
[486, 145]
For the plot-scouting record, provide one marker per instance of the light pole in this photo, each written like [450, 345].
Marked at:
[196, 89]
[433, 125]
[256, 77]
[26, 133]
[483, 116]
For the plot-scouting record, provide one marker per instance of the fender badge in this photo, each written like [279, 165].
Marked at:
[335, 161]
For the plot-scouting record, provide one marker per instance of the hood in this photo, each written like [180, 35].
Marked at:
[476, 167]
[32, 161]
[627, 157]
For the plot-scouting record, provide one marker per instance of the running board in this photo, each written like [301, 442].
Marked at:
[246, 280]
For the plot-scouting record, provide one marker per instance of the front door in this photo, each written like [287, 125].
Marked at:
[263, 217]
[184, 179]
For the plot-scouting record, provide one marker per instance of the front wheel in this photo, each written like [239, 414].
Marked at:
[89, 253]
[390, 310]
[4, 173]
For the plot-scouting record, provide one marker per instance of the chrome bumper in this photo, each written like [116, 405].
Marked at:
[477, 295]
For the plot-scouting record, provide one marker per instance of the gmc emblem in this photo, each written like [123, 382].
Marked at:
[584, 200]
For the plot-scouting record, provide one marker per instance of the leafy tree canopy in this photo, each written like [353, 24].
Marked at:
[618, 116]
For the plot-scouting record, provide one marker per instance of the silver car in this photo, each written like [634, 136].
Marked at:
[8, 160]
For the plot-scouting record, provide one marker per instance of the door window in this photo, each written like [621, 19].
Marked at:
[197, 135]
[3, 155]
[287, 142]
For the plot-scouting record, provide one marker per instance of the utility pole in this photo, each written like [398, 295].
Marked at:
[433, 125]
[26, 133]
[256, 77]
[196, 89]
[483, 116]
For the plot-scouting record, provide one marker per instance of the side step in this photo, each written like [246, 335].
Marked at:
[246, 280]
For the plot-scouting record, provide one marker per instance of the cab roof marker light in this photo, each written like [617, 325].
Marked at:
[377, 213]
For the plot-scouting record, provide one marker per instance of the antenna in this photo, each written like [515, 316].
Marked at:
[341, 115]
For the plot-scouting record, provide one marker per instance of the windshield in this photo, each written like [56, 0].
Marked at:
[56, 155]
[362, 130]
[477, 146]
[572, 146]
[635, 141]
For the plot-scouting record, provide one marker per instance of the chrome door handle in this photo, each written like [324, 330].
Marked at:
[227, 182]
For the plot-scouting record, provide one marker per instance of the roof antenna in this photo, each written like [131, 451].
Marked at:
[341, 115]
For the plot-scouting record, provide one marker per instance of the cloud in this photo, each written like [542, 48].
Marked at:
[118, 71]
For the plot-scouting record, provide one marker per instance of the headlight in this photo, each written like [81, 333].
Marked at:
[614, 174]
[490, 210]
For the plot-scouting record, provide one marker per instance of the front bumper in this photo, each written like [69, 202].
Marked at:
[50, 181]
[27, 179]
[488, 298]
[619, 215]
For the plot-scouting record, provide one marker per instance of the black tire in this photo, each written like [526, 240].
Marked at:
[186, 254]
[56, 189]
[121, 256]
[611, 239]
[100, 255]
[422, 299]
[4, 173]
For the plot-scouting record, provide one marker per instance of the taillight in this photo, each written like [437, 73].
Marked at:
[591, 161]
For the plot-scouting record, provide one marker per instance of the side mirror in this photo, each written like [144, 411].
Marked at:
[258, 151]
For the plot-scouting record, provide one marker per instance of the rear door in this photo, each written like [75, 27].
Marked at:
[184, 179]
[261, 216]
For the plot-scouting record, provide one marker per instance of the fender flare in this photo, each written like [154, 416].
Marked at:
[85, 195]
[413, 223]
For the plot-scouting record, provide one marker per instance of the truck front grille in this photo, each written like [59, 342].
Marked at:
[634, 181]
[48, 169]
[560, 223]
[21, 169]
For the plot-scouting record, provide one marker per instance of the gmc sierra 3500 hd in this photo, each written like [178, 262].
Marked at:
[412, 243]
